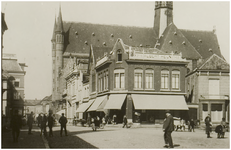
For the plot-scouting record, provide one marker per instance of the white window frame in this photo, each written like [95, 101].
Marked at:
[174, 82]
[163, 86]
[149, 71]
[121, 79]
[138, 82]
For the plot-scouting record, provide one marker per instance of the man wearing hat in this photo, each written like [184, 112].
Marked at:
[63, 122]
[168, 127]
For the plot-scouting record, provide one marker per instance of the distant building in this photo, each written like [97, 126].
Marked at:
[14, 95]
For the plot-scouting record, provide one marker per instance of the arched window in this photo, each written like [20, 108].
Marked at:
[119, 78]
[149, 79]
[165, 79]
[138, 78]
[119, 55]
[175, 79]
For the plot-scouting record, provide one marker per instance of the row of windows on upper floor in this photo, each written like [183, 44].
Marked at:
[141, 80]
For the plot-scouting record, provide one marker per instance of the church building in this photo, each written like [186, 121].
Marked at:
[133, 71]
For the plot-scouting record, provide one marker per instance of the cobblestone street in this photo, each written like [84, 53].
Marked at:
[142, 138]
[115, 137]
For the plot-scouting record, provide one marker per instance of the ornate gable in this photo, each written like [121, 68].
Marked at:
[215, 63]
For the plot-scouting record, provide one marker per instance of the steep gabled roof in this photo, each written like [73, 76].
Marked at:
[214, 62]
[79, 36]
[205, 42]
[173, 40]
[10, 65]
[99, 52]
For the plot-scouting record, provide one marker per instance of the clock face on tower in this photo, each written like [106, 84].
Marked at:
[168, 12]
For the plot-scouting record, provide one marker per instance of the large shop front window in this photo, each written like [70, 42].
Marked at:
[175, 80]
[149, 76]
[119, 78]
[165, 79]
[138, 79]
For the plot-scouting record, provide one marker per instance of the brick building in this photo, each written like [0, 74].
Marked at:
[96, 42]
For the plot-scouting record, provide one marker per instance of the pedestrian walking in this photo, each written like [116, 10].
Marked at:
[114, 119]
[30, 122]
[44, 126]
[15, 124]
[125, 121]
[63, 122]
[192, 124]
[208, 125]
[50, 123]
[39, 118]
[189, 127]
[168, 127]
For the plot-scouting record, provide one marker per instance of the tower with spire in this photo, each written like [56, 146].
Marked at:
[163, 16]
[57, 56]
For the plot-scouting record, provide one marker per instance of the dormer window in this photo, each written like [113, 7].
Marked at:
[119, 55]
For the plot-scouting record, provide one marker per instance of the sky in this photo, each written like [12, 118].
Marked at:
[30, 27]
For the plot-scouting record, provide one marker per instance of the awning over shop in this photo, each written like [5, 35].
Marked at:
[102, 105]
[96, 103]
[159, 102]
[115, 101]
[84, 106]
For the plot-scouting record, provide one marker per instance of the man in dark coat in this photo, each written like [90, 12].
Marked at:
[15, 124]
[63, 122]
[168, 127]
[39, 120]
[44, 125]
[50, 123]
[30, 122]
[208, 125]
[125, 122]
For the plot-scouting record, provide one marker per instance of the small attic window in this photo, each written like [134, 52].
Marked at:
[141, 45]
[86, 42]
[76, 33]
[175, 33]
[210, 50]
[112, 35]
[170, 42]
[130, 36]
[200, 41]
[183, 43]
[104, 43]
[93, 34]
[119, 55]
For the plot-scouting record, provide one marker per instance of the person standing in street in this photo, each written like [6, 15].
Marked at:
[15, 124]
[168, 127]
[44, 125]
[223, 125]
[39, 118]
[208, 125]
[125, 121]
[192, 124]
[50, 123]
[30, 122]
[63, 122]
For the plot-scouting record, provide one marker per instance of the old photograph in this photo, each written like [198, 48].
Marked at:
[115, 74]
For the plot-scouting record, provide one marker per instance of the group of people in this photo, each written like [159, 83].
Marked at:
[43, 122]
[168, 128]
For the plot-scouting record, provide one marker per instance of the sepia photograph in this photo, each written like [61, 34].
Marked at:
[115, 74]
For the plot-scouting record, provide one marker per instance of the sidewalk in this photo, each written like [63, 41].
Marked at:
[25, 140]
